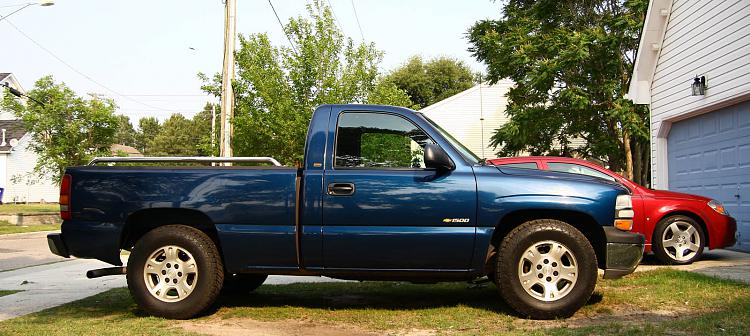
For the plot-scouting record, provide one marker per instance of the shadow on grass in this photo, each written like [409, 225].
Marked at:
[370, 295]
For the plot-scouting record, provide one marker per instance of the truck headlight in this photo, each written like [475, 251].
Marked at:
[624, 213]
[718, 207]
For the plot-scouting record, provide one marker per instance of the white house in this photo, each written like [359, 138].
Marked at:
[700, 143]
[473, 115]
[17, 162]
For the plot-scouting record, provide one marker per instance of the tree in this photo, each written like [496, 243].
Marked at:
[125, 134]
[176, 137]
[68, 130]
[148, 129]
[429, 82]
[571, 61]
[277, 88]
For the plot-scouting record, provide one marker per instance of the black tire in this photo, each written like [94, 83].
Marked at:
[509, 269]
[669, 254]
[235, 284]
[208, 278]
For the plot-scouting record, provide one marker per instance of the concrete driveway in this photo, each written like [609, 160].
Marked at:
[46, 280]
[725, 264]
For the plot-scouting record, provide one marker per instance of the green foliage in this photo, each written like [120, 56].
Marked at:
[429, 82]
[125, 134]
[278, 87]
[571, 62]
[178, 136]
[148, 129]
[384, 149]
[68, 130]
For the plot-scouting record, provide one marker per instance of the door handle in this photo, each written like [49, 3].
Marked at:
[341, 189]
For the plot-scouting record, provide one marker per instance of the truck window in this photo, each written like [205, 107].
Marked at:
[378, 140]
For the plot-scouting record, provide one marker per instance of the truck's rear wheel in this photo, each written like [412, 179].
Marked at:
[546, 269]
[175, 271]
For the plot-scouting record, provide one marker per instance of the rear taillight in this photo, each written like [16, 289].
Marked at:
[65, 197]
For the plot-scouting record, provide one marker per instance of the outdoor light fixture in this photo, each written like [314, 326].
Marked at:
[699, 86]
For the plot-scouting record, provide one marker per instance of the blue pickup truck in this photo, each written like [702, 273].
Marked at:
[383, 194]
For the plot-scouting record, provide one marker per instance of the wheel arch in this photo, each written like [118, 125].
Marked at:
[141, 222]
[583, 222]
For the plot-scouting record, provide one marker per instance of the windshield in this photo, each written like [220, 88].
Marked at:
[465, 152]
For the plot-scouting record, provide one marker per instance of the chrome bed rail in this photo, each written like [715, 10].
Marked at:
[253, 159]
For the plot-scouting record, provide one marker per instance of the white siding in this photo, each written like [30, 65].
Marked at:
[461, 115]
[705, 38]
[19, 163]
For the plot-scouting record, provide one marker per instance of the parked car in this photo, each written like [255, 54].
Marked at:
[678, 227]
[383, 194]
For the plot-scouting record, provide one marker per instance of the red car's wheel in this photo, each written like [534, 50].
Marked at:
[678, 240]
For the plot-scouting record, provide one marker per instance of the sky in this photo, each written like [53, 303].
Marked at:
[146, 54]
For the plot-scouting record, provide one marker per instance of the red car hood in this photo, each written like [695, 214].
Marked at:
[664, 194]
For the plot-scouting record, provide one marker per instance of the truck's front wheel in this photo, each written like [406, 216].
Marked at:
[175, 271]
[546, 269]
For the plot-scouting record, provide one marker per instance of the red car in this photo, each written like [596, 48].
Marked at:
[677, 226]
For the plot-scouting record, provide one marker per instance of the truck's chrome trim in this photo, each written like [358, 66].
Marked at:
[258, 159]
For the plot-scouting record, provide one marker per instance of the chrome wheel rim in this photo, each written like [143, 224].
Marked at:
[548, 271]
[170, 273]
[681, 241]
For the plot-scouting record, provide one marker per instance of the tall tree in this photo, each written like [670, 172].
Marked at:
[177, 137]
[278, 87]
[429, 82]
[571, 61]
[125, 134]
[148, 129]
[68, 130]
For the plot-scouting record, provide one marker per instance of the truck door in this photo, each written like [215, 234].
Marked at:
[382, 209]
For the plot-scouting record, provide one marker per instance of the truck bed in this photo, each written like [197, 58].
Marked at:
[253, 207]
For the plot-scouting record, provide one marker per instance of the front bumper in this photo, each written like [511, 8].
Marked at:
[624, 252]
[57, 245]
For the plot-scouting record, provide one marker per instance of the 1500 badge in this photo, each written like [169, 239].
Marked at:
[455, 220]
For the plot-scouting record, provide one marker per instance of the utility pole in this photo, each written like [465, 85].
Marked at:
[227, 95]
[213, 128]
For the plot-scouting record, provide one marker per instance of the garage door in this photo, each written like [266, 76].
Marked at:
[709, 155]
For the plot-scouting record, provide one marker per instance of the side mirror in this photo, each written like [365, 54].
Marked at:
[436, 157]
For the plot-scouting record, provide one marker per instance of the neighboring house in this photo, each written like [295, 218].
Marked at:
[124, 150]
[700, 144]
[17, 161]
[473, 115]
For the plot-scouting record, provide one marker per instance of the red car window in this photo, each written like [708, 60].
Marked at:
[577, 169]
[525, 165]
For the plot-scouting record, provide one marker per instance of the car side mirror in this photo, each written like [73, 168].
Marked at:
[436, 157]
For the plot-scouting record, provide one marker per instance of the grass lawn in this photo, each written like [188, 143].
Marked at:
[6, 228]
[657, 302]
[7, 292]
[10, 208]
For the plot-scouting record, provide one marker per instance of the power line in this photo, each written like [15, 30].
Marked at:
[335, 18]
[282, 28]
[358, 25]
[15, 5]
[81, 73]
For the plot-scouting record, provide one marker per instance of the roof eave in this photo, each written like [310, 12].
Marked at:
[649, 48]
